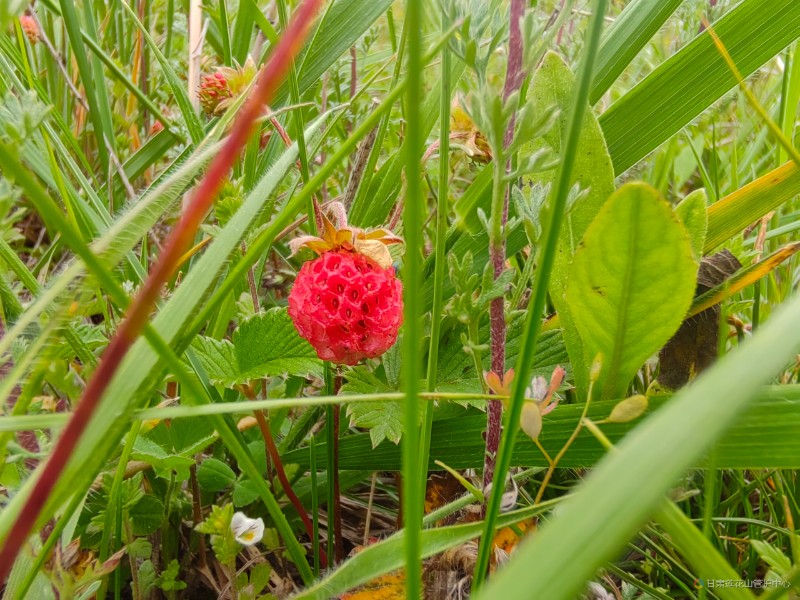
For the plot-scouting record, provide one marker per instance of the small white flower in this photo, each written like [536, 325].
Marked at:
[537, 389]
[245, 530]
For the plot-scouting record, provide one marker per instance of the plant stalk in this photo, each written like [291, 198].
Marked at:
[442, 198]
[497, 242]
[538, 300]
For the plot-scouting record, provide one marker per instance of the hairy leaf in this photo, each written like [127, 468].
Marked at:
[383, 419]
[263, 346]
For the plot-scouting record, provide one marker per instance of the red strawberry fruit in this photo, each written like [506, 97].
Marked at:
[220, 89]
[29, 28]
[347, 302]
[214, 90]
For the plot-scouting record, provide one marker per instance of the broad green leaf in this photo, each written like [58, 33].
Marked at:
[245, 492]
[628, 486]
[625, 38]
[213, 475]
[189, 439]
[265, 345]
[552, 85]
[697, 76]
[631, 283]
[693, 214]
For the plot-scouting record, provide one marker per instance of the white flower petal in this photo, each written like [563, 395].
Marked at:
[245, 530]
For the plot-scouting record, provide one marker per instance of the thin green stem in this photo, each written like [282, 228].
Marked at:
[330, 435]
[46, 421]
[312, 467]
[412, 280]
[442, 207]
[113, 521]
[538, 301]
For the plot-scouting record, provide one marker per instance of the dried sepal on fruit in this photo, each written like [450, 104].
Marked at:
[348, 301]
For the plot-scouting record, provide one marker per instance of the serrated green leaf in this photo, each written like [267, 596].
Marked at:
[383, 419]
[189, 438]
[213, 475]
[164, 462]
[631, 283]
[147, 514]
[265, 345]
[552, 85]
[771, 555]
[694, 216]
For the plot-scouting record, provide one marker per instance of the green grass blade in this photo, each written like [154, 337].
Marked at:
[73, 28]
[412, 301]
[178, 89]
[442, 209]
[694, 78]
[625, 38]
[735, 212]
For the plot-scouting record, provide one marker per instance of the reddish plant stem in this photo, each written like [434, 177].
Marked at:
[497, 248]
[270, 77]
[338, 542]
[287, 486]
[197, 513]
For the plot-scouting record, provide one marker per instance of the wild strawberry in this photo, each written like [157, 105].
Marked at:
[213, 90]
[29, 28]
[347, 302]
[219, 90]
